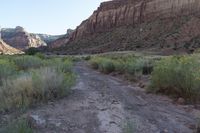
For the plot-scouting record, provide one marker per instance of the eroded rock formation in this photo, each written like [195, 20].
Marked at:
[20, 39]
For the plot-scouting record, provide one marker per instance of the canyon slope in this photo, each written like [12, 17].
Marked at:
[158, 25]
[21, 39]
[63, 39]
[6, 49]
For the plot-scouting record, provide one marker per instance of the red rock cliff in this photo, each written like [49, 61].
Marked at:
[118, 13]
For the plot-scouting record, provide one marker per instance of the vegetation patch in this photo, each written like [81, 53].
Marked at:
[18, 126]
[130, 65]
[27, 62]
[29, 80]
[178, 76]
[129, 127]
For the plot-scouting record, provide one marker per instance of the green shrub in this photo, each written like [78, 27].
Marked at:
[177, 76]
[40, 55]
[95, 62]
[133, 67]
[87, 58]
[27, 62]
[120, 66]
[126, 64]
[147, 66]
[106, 66]
[17, 92]
[31, 51]
[7, 69]
[65, 66]
[47, 79]
[60, 64]
[50, 83]
[36, 86]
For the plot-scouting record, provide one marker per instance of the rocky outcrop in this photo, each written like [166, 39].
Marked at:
[6, 49]
[118, 13]
[20, 39]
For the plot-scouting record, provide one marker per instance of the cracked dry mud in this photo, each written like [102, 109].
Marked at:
[104, 104]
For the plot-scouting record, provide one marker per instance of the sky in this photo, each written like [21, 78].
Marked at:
[46, 16]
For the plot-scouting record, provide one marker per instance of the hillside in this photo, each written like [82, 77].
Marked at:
[63, 39]
[156, 25]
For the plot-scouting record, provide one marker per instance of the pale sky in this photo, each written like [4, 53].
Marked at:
[46, 16]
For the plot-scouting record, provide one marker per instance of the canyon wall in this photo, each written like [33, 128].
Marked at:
[118, 13]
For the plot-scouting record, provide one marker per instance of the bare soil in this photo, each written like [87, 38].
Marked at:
[105, 104]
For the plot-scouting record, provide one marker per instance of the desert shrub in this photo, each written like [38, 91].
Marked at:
[46, 80]
[7, 68]
[64, 65]
[134, 66]
[40, 55]
[50, 83]
[74, 59]
[125, 64]
[120, 66]
[31, 51]
[147, 66]
[86, 58]
[39, 85]
[178, 76]
[26, 62]
[95, 62]
[106, 66]
[16, 92]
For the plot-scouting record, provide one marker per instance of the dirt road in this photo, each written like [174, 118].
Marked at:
[104, 104]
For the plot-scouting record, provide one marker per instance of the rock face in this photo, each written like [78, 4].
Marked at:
[118, 13]
[158, 25]
[20, 39]
[6, 49]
